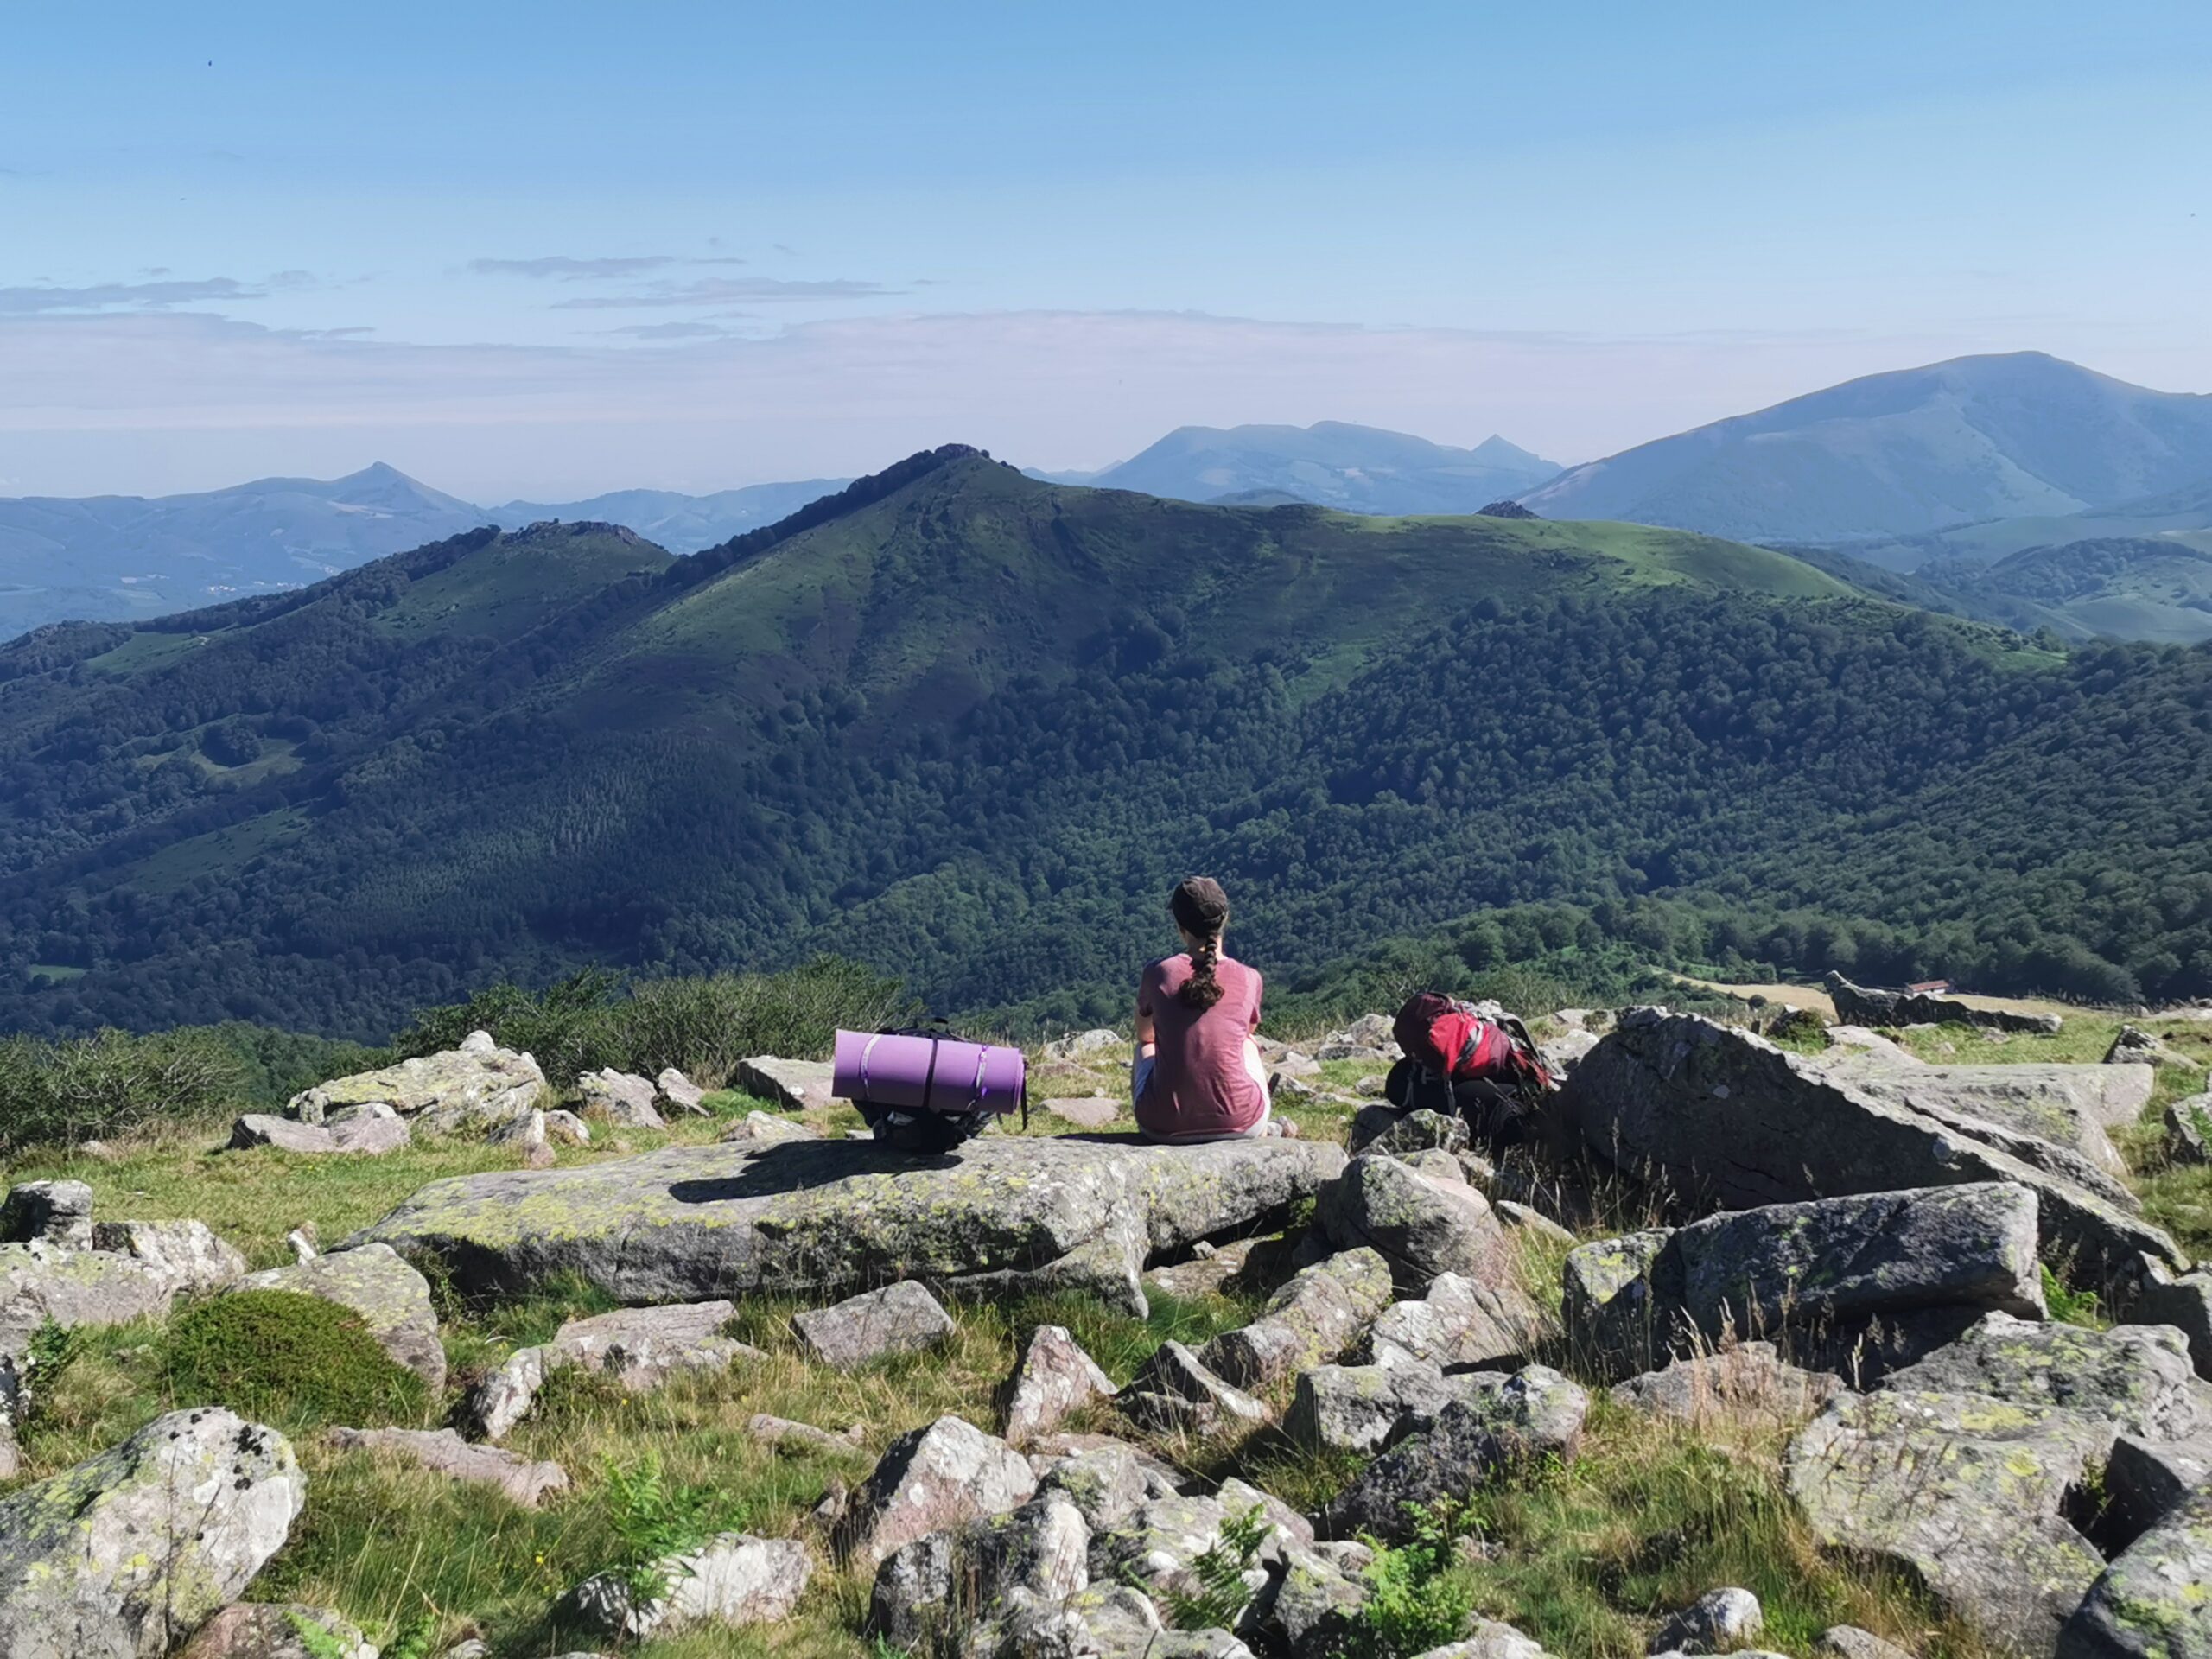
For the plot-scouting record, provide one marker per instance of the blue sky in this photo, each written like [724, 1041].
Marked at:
[554, 249]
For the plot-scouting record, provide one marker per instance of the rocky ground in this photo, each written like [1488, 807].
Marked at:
[1846, 1342]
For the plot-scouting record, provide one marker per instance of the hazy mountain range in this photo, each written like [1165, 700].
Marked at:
[1905, 454]
[1331, 464]
[1942, 475]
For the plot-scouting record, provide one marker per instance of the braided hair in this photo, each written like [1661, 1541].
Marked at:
[1201, 909]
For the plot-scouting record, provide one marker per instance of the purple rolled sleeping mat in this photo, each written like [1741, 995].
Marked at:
[927, 1074]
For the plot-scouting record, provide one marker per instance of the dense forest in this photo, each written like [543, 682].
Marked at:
[967, 728]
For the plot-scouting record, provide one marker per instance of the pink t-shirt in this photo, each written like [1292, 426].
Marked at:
[1200, 1083]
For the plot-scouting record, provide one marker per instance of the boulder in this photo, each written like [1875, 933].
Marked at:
[679, 1093]
[2068, 1107]
[1620, 1302]
[623, 1098]
[444, 1452]
[2147, 1480]
[566, 1130]
[443, 1093]
[2135, 1047]
[782, 1433]
[1385, 1128]
[1720, 1621]
[1508, 1423]
[1176, 1391]
[998, 1215]
[2189, 1129]
[124, 1555]
[1562, 1053]
[1314, 1607]
[1052, 1377]
[185, 1256]
[1104, 1621]
[496, 1404]
[1247, 1264]
[391, 1297]
[1322, 1311]
[1157, 1548]
[794, 1085]
[248, 1630]
[930, 1478]
[1491, 1640]
[55, 1213]
[1718, 1118]
[1849, 1642]
[1107, 1482]
[1420, 1226]
[73, 1287]
[2184, 1302]
[285, 1134]
[2155, 1600]
[1856, 1005]
[644, 1347]
[900, 1319]
[1366, 1408]
[1084, 1111]
[928, 1590]
[372, 1128]
[1836, 1259]
[1090, 1044]
[1965, 1491]
[528, 1135]
[733, 1578]
[2137, 1379]
[1747, 1382]
[1460, 1323]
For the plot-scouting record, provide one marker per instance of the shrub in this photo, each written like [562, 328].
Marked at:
[1219, 1594]
[79, 1087]
[289, 1360]
[652, 1521]
[702, 1025]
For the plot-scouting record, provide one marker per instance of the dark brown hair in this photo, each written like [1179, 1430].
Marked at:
[1201, 909]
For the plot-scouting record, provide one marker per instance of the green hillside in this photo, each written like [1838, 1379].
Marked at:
[967, 727]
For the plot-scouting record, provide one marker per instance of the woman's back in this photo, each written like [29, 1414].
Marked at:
[1202, 1080]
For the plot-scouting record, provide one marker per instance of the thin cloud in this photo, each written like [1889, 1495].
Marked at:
[723, 290]
[670, 331]
[108, 296]
[565, 268]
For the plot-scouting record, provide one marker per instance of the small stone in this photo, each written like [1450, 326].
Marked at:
[900, 1319]
[646, 1347]
[1316, 1317]
[566, 1130]
[444, 1452]
[758, 1126]
[1175, 1390]
[272, 1630]
[302, 1238]
[1849, 1642]
[784, 1433]
[2188, 1130]
[372, 1127]
[185, 1255]
[2134, 1046]
[680, 1093]
[1746, 1382]
[1716, 1622]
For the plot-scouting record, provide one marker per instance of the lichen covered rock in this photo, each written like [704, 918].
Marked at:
[124, 1555]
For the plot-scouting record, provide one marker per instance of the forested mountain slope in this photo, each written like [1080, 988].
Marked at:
[968, 726]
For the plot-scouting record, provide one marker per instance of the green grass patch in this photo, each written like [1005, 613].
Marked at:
[290, 1361]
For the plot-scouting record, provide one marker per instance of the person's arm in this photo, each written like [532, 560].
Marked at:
[1259, 989]
[1147, 1033]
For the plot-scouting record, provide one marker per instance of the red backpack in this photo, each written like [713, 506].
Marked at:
[1458, 1055]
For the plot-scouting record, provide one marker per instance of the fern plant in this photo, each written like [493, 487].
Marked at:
[654, 1522]
[1222, 1595]
[1416, 1601]
[317, 1639]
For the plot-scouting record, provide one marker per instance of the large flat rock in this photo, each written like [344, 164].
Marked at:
[999, 1213]
[1718, 1118]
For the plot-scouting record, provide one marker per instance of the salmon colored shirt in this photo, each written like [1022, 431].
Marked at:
[1200, 1084]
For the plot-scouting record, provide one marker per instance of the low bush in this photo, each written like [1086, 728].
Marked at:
[82, 1088]
[291, 1361]
[701, 1025]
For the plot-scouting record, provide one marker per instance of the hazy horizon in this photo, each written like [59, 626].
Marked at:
[543, 254]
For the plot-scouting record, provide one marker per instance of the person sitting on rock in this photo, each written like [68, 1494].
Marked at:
[1197, 1074]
